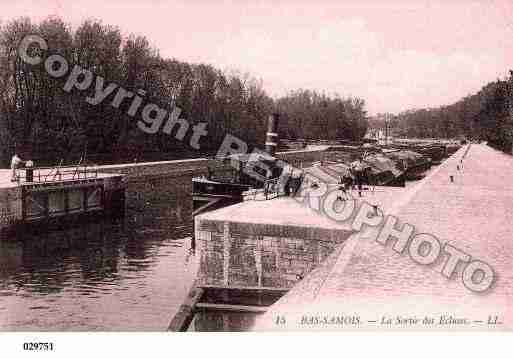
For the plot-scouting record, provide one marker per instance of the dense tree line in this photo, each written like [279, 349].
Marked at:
[310, 115]
[42, 121]
[486, 115]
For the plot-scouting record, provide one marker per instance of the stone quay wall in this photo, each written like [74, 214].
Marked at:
[249, 255]
[149, 182]
[10, 207]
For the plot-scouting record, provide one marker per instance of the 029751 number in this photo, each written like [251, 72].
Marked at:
[38, 346]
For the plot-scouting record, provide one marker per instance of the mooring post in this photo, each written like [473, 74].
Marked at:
[66, 201]
[23, 204]
[46, 202]
[84, 199]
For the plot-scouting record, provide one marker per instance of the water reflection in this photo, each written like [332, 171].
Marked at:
[129, 275]
[219, 321]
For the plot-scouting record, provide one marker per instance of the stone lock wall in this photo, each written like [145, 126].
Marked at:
[10, 206]
[258, 255]
[149, 182]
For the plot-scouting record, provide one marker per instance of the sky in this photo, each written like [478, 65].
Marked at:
[397, 55]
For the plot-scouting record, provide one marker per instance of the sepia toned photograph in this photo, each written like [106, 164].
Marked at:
[255, 166]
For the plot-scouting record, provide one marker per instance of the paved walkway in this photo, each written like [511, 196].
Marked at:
[48, 175]
[5, 179]
[383, 289]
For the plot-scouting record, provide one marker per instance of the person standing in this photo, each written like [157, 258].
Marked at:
[342, 187]
[15, 164]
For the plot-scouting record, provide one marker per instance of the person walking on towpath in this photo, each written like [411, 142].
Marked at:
[343, 190]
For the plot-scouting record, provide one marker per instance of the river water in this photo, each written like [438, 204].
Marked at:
[123, 276]
[127, 276]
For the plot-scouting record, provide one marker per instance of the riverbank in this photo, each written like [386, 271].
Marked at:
[370, 281]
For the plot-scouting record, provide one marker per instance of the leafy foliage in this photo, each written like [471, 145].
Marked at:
[486, 115]
[43, 122]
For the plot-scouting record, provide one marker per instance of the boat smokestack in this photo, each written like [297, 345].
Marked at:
[271, 140]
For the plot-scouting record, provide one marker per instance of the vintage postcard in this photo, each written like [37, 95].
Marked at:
[256, 166]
